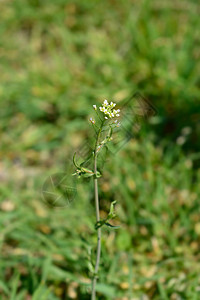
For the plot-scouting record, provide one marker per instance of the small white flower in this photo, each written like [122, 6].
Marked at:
[92, 120]
[105, 103]
[95, 107]
[106, 118]
[117, 115]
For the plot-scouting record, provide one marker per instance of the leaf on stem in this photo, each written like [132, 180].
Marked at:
[112, 226]
[110, 216]
[84, 172]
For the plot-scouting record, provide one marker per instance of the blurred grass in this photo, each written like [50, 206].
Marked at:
[57, 59]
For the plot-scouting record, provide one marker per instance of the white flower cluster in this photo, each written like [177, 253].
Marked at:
[108, 109]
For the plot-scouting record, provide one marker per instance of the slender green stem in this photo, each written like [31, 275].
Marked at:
[94, 280]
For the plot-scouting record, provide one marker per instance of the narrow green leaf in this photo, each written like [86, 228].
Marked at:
[75, 164]
[14, 286]
[4, 287]
[112, 226]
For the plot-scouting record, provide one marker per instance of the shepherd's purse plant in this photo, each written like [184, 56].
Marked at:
[105, 122]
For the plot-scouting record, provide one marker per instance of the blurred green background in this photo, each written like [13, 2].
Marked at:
[58, 58]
